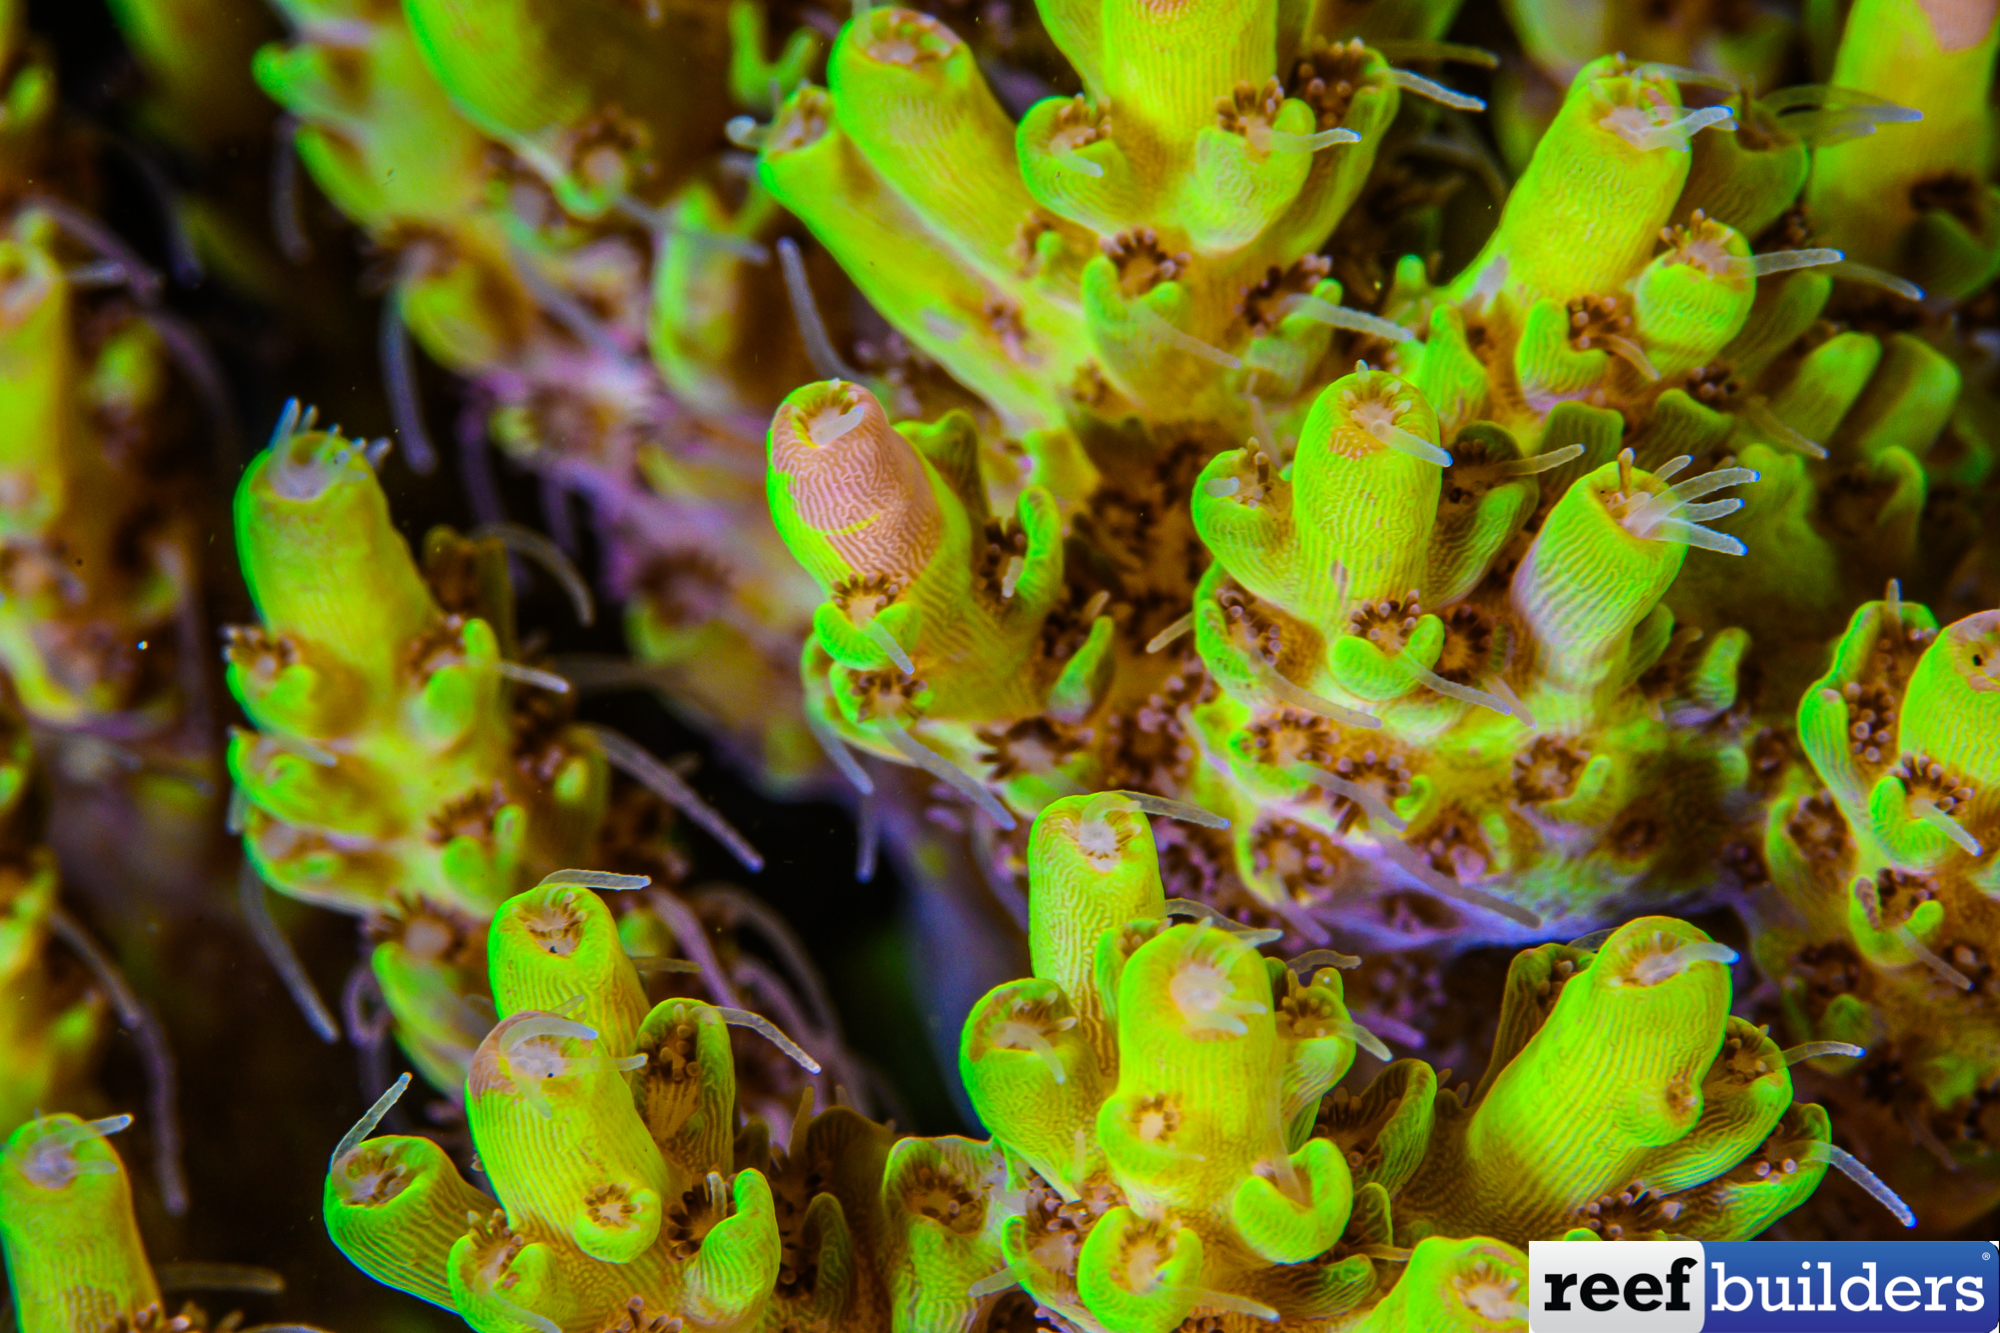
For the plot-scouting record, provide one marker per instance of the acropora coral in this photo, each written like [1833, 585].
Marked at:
[1465, 629]
[408, 769]
[74, 1255]
[1877, 920]
[107, 436]
[75, 1258]
[544, 232]
[51, 1022]
[1502, 586]
[1167, 1137]
[1319, 552]
[1163, 1099]
[631, 1193]
[109, 416]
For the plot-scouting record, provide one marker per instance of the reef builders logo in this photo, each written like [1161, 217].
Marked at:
[1766, 1286]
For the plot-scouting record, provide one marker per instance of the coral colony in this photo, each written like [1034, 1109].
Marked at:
[1326, 580]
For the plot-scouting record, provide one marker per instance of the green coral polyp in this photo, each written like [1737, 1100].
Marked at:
[1915, 201]
[1531, 519]
[610, 1135]
[1029, 256]
[75, 1259]
[1890, 870]
[51, 1025]
[1168, 1140]
[384, 762]
[1684, 1105]
[1163, 1098]
[1173, 446]
[889, 521]
[75, 371]
[387, 777]
[436, 153]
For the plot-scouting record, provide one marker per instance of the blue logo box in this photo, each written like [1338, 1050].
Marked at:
[1764, 1287]
[1852, 1286]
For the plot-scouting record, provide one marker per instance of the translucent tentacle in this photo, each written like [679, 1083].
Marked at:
[812, 329]
[597, 879]
[1222, 1300]
[1181, 625]
[219, 1277]
[1435, 91]
[288, 224]
[370, 1118]
[1673, 134]
[765, 1028]
[1412, 862]
[1758, 413]
[826, 430]
[1408, 442]
[276, 948]
[1927, 811]
[1697, 78]
[1363, 796]
[867, 838]
[547, 1025]
[399, 381]
[1908, 939]
[636, 762]
[1851, 1167]
[93, 235]
[1466, 693]
[1341, 317]
[1297, 696]
[1554, 458]
[772, 928]
[51, 1165]
[527, 542]
[522, 674]
[1875, 277]
[1668, 516]
[1161, 805]
[945, 771]
[1312, 960]
[1784, 261]
[692, 937]
[1186, 342]
[1632, 355]
[1023, 1037]
[1653, 969]
[161, 1077]
[836, 750]
[1210, 915]
[1365, 1039]
[1281, 142]
[886, 641]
